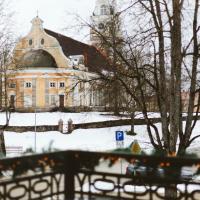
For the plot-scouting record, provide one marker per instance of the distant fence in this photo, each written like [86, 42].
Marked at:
[102, 124]
[113, 123]
[39, 128]
[14, 149]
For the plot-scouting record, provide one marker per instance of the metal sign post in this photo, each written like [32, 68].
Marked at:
[119, 137]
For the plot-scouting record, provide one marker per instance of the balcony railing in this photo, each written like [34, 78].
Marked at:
[69, 175]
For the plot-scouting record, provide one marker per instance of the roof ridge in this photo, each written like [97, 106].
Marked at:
[94, 59]
[67, 37]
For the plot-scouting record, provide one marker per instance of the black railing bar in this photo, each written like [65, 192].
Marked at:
[101, 154]
[27, 177]
[35, 156]
[48, 195]
[64, 155]
[136, 179]
[144, 158]
[93, 195]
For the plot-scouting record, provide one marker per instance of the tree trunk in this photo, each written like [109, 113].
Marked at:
[1, 91]
[116, 99]
[175, 84]
[133, 122]
[2, 144]
[192, 94]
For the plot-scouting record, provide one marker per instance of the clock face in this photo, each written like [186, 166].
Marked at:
[101, 26]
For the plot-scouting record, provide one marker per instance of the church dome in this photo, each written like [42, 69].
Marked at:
[38, 58]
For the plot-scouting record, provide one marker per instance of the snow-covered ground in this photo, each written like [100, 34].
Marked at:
[83, 139]
[48, 118]
[102, 139]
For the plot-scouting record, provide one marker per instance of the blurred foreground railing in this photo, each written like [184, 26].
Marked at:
[79, 175]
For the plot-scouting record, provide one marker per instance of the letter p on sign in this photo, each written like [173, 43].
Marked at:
[119, 135]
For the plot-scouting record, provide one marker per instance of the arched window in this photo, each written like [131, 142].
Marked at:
[103, 10]
[30, 42]
[101, 26]
[42, 41]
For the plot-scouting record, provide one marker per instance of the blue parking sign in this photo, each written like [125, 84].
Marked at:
[119, 135]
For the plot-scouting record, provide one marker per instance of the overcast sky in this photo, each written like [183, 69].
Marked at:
[54, 13]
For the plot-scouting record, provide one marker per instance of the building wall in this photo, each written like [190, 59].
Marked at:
[42, 95]
[39, 87]
[33, 41]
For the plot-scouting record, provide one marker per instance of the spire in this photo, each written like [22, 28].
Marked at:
[37, 22]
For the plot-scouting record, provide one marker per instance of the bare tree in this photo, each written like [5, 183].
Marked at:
[151, 64]
[158, 53]
[6, 64]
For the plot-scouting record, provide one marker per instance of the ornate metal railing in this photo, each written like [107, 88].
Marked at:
[86, 175]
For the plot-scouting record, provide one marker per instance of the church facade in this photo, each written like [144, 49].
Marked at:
[55, 69]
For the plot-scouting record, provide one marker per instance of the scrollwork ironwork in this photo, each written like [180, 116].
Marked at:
[71, 174]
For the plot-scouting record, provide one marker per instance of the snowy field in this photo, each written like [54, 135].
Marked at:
[102, 139]
[82, 139]
[47, 118]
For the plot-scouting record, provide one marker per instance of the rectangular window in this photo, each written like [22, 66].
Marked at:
[27, 101]
[12, 85]
[81, 85]
[52, 84]
[53, 100]
[81, 100]
[62, 84]
[28, 84]
[12, 101]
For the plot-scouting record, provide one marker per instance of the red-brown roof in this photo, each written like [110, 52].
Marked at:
[94, 60]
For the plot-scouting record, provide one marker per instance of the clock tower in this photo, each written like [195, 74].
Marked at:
[104, 23]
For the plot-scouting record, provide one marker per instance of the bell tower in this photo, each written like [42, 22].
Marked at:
[104, 16]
